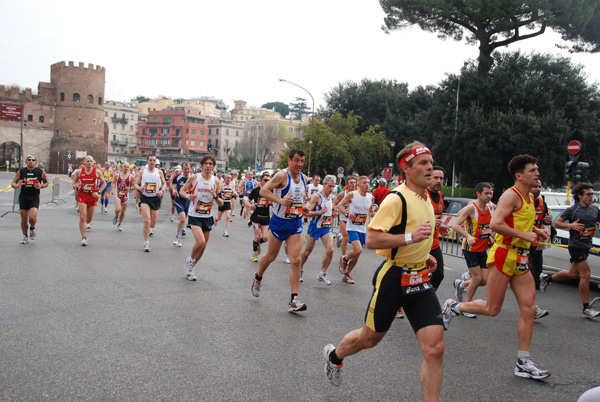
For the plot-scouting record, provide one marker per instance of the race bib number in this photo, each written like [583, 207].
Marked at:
[486, 232]
[247, 193]
[88, 188]
[263, 202]
[587, 233]
[360, 219]
[523, 259]
[414, 281]
[326, 222]
[122, 193]
[293, 211]
[204, 208]
[150, 187]
[30, 182]
[226, 196]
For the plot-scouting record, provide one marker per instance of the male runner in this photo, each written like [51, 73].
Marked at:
[360, 206]
[201, 189]
[508, 261]
[401, 232]
[171, 174]
[536, 258]
[107, 172]
[247, 187]
[437, 200]
[122, 183]
[311, 189]
[31, 180]
[476, 241]
[322, 214]
[86, 180]
[227, 194]
[150, 182]
[261, 216]
[380, 193]
[581, 219]
[286, 190]
[343, 219]
[181, 204]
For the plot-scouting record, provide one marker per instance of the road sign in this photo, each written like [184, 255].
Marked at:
[68, 155]
[259, 168]
[340, 170]
[574, 147]
[387, 174]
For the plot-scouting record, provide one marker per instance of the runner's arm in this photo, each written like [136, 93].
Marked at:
[17, 182]
[509, 201]
[462, 216]
[314, 201]
[45, 180]
[277, 181]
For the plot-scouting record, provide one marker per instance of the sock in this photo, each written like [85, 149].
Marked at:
[456, 308]
[549, 279]
[335, 359]
[523, 356]
[586, 305]
[258, 278]
[462, 284]
[294, 295]
[261, 241]
[254, 246]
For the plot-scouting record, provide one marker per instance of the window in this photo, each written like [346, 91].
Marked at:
[193, 131]
[130, 128]
[123, 115]
[41, 119]
[187, 142]
[62, 96]
[201, 143]
[187, 130]
[100, 100]
[114, 137]
[193, 142]
[209, 131]
[177, 132]
[90, 99]
[226, 131]
[131, 116]
[164, 143]
[237, 133]
[153, 131]
[183, 119]
[114, 126]
[167, 120]
[76, 97]
[201, 132]
[105, 114]
[123, 127]
[217, 131]
[143, 131]
[165, 131]
[142, 142]
[216, 143]
[152, 143]
[154, 119]
[115, 115]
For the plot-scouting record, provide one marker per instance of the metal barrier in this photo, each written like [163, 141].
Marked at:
[56, 192]
[451, 246]
[15, 202]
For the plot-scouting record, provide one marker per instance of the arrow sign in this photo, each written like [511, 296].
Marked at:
[574, 147]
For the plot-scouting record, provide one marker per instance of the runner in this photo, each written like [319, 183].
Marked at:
[261, 216]
[286, 190]
[201, 189]
[172, 193]
[581, 219]
[107, 172]
[313, 187]
[508, 261]
[437, 200]
[234, 183]
[322, 214]
[536, 257]
[31, 180]
[150, 182]
[86, 180]
[122, 183]
[182, 205]
[227, 194]
[401, 231]
[248, 185]
[343, 219]
[360, 206]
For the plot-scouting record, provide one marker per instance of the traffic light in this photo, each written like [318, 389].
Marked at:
[569, 169]
[210, 147]
[577, 170]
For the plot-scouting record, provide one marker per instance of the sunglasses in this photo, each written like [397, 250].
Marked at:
[30, 160]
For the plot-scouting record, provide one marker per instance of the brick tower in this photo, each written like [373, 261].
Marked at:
[79, 115]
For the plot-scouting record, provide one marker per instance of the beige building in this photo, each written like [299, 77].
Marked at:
[121, 119]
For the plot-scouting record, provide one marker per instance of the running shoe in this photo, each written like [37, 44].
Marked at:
[296, 305]
[84, 241]
[301, 275]
[32, 234]
[590, 313]
[183, 232]
[343, 265]
[254, 257]
[179, 242]
[544, 281]
[147, 246]
[119, 228]
[323, 278]
[24, 239]
[539, 313]
[115, 220]
[469, 315]
[458, 290]
[255, 286]
[151, 232]
[215, 223]
[225, 234]
[189, 267]
[529, 370]
[258, 249]
[88, 225]
[348, 279]
[448, 312]
[175, 239]
[286, 259]
[172, 218]
[249, 223]
[333, 372]
[400, 313]
[338, 242]
[466, 276]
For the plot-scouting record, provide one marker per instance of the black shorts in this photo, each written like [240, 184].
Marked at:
[438, 275]
[422, 309]
[226, 207]
[475, 258]
[205, 224]
[28, 201]
[578, 254]
[260, 220]
[153, 202]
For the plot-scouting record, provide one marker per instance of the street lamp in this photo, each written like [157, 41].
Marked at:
[311, 119]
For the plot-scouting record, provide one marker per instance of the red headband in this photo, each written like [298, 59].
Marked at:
[415, 152]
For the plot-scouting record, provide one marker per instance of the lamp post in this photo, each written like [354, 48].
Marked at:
[392, 145]
[311, 119]
[455, 132]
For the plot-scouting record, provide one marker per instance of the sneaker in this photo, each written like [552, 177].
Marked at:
[286, 259]
[151, 232]
[119, 228]
[590, 313]
[84, 241]
[338, 242]
[528, 370]
[189, 269]
[333, 372]
[539, 313]
[115, 220]
[448, 313]
[296, 305]
[175, 240]
[25, 239]
[172, 218]
[255, 286]
[183, 232]
[348, 279]
[400, 313]
[215, 223]
[88, 225]
[323, 278]
[343, 265]
[32, 234]
[147, 246]
[249, 223]
[301, 274]
[225, 234]
[544, 281]
[258, 250]
[458, 290]
[469, 315]
[254, 257]
[465, 276]
[179, 242]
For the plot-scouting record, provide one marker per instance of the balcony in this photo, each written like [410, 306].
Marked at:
[119, 143]
[120, 120]
[160, 123]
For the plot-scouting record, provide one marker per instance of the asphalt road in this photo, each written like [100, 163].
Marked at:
[110, 322]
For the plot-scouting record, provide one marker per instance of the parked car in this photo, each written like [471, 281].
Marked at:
[453, 207]
[562, 235]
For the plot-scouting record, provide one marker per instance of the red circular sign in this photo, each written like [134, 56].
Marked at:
[574, 147]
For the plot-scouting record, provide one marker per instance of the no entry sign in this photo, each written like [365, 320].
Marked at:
[574, 147]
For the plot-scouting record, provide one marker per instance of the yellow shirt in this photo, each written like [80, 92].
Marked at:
[419, 210]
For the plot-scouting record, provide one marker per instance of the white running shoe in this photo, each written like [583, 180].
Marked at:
[544, 281]
[590, 313]
[24, 239]
[32, 234]
[119, 228]
[147, 246]
[189, 269]
[151, 232]
[172, 218]
[529, 370]
[179, 242]
[296, 305]
[84, 241]
[225, 234]
[466, 276]
[459, 291]
[88, 225]
[333, 372]
[255, 286]
[348, 279]
[115, 220]
[448, 313]
[469, 315]
[540, 313]
[323, 278]
[175, 239]
[286, 259]
[301, 275]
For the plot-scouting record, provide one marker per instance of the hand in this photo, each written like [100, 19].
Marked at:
[431, 263]
[531, 237]
[159, 193]
[20, 183]
[577, 226]
[37, 185]
[95, 194]
[444, 230]
[547, 219]
[288, 200]
[352, 216]
[421, 233]
[371, 214]
[471, 240]
[253, 207]
[305, 210]
[438, 221]
[324, 210]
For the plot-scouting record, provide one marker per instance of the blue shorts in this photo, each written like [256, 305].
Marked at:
[181, 205]
[284, 228]
[360, 236]
[315, 232]
[475, 258]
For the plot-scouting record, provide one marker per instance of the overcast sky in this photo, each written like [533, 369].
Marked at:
[230, 49]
